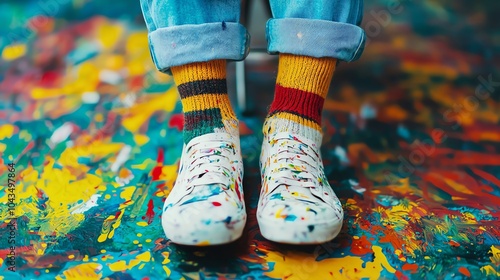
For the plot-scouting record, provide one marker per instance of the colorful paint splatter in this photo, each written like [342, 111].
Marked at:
[411, 147]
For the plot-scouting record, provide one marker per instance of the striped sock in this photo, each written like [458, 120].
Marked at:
[205, 102]
[301, 88]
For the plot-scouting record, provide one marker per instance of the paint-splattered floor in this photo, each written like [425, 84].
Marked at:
[412, 148]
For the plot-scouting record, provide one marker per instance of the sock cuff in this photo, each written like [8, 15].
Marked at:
[306, 73]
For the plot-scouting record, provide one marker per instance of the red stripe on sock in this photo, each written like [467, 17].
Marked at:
[302, 103]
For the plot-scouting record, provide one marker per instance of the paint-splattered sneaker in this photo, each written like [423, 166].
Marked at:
[206, 205]
[296, 204]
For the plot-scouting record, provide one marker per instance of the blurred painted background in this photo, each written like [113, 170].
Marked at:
[411, 146]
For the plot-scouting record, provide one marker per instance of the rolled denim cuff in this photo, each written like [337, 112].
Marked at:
[315, 38]
[183, 44]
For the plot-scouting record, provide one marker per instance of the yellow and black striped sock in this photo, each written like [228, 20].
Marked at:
[205, 102]
[301, 88]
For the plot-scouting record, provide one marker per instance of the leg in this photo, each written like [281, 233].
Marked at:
[297, 204]
[192, 40]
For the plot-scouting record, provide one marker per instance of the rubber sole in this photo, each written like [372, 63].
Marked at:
[298, 233]
[217, 233]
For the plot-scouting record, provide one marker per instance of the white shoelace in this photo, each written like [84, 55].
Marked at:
[208, 162]
[293, 160]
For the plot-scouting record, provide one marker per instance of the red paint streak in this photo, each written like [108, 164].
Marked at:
[238, 192]
[161, 156]
[244, 129]
[361, 246]
[176, 121]
[400, 275]
[150, 213]
[49, 79]
[39, 193]
[437, 179]
[487, 176]
[136, 82]
[454, 243]
[470, 158]
[215, 203]
[161, 186]
[413, 267]
[464, 271]
[117, 214]
[156, 172]
[22, 249]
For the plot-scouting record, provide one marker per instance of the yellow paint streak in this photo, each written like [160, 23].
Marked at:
[137, 51]
[118, 266]
[166, 258]
[458, 187]
[122, 265]
[109, 226]
[145, 165]
[64, 192]
[127, 193]
[95, 151]
[491, 270]
[396, 215]
[495, 255]
[144, 257]
[141, 139]
[303, 266]
[14, 51]
[6, 131]
[140, 112]
[169, 174]
[87, 79]
[167, 270]
[109, 34]
[83, 271]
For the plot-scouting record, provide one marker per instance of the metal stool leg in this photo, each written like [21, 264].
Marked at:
[241, 86]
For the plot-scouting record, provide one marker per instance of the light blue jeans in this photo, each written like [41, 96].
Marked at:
[187, 31]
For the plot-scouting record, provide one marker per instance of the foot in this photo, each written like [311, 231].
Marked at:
[296, 204]
[206, 205]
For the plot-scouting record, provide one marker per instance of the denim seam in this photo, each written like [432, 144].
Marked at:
[361, 41]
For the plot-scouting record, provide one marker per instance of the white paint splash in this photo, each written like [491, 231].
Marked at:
[62, 133]
[341, 154]
[122, 157]
[82, 208]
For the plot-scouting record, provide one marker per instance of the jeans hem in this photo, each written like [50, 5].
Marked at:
[316, 38]
[184, 44]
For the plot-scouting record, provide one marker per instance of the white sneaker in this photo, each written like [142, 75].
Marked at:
[296, 204]
[206, 205]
